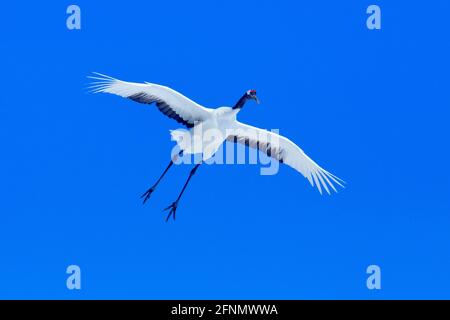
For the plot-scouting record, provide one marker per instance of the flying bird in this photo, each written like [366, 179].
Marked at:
[199, 119]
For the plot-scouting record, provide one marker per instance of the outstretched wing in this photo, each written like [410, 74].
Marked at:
[285, 151]
[170, 102]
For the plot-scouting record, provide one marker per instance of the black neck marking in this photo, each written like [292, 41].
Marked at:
[241, 102]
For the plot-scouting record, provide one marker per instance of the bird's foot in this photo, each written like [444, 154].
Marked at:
[173, 210]
[147, 194]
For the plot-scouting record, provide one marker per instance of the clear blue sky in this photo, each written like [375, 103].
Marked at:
[370, 106]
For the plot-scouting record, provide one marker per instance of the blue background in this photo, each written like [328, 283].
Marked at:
[370, 106]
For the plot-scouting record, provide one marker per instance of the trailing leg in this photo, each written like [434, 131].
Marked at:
[149, 192]
[174, 205]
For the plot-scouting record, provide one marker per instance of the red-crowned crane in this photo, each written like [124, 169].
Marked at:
[199, 120]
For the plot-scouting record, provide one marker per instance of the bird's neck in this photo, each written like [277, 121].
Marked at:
[241, 102]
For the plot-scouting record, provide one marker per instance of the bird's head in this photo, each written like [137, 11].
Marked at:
[251, 95]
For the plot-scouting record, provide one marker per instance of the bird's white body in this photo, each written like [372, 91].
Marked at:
[208, 128]
[207, 136]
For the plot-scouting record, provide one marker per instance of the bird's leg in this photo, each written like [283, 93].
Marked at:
[149, 192]
[174, 205]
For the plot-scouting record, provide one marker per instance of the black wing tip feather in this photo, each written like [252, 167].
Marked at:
[165, 108]
[266, 148]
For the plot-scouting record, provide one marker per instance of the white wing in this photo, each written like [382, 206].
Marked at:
[170, 102]
[285, 151]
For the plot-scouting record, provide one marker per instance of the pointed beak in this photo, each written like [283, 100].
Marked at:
[256, 99]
